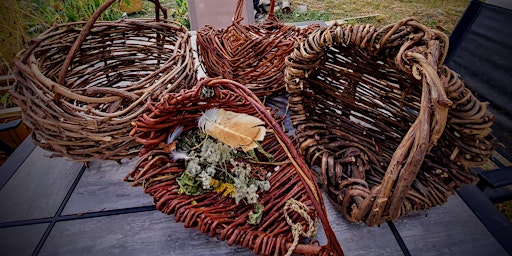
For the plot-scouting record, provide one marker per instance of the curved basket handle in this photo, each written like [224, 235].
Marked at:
[240, 7]
[87, 29]
[238, 11]
[297, 161]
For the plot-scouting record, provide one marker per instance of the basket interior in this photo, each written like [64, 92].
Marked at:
[115, 55]
[363, 96]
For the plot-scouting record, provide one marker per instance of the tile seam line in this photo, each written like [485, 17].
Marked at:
[398, 238]
[63, 204]
[78, 216]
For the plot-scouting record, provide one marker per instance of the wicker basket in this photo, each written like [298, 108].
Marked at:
[219, 215]
[391, 129]
[252, 55]
[81, 84]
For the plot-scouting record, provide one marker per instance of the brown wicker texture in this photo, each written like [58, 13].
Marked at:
[391, 128]
[81, 84]
[252, 55]
[212, 213]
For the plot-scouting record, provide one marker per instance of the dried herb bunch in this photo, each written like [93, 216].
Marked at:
[211, 165]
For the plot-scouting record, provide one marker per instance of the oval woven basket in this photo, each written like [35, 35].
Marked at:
[80, 85]
[391, 129]
[217, 214]
[252, 55]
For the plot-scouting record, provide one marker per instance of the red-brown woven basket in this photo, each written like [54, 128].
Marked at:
[211, 212]
[252, 55]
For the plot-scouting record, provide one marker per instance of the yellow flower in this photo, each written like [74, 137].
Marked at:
[226, 189]
[214, 183]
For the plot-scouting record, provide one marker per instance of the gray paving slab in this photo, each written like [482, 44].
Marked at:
[502, 3]
[358, 238]
[22, 240]
[37, 188]
[101, 188]
[143, 233]
[449, 229]
[15, 160]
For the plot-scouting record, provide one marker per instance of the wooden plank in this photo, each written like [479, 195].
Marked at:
[101, 188]
[450, 229]
[21, 240]
[7, 113]
[146, 233]
[38, 187]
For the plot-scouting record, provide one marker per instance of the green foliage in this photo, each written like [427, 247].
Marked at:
[211, 165]
[255, 215]
[431, 23]
[39, 15]
[298, 17]
[180, 14]
[5, 100]
[78, 10]
[190, 185]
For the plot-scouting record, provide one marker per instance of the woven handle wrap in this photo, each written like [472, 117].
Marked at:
[355, 92]
[214, 214]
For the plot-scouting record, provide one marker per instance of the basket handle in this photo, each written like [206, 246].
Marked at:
[240, 7]
[87, 29]
[297, 161]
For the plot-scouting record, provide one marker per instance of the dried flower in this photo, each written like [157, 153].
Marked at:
[179, 155]
[212, 165]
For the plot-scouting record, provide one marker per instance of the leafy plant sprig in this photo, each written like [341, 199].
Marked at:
[215, 166]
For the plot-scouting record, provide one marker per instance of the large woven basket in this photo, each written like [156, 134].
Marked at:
[216, 214]
[81, 84]
[391, 129]
[252, 55]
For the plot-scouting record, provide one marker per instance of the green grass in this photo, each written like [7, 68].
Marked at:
[25, 19]
[440, 14]
[298, 17]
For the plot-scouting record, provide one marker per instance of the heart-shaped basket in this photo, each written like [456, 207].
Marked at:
[252, 55]
[291, 205]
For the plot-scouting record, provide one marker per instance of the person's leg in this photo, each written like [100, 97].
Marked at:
[256, 4]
